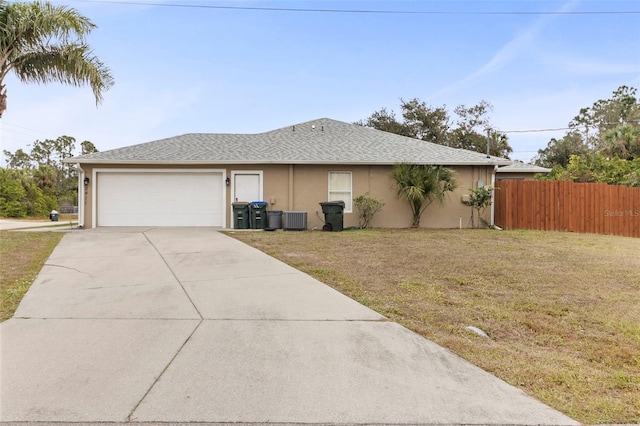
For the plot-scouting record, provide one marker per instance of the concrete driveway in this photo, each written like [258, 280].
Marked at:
[189, 325]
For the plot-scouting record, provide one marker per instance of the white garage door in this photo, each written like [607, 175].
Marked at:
[160, 198]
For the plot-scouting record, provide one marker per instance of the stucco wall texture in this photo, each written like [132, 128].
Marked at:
[301, 187]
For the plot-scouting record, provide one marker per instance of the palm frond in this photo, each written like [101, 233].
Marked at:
[43, 43]
[72, 64]
[27, 25]
[421, 185]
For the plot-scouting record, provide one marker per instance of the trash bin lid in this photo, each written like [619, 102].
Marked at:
[258, 204]
[333, 203]
[240, 203]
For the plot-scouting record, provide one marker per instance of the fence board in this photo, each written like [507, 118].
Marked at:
[568, 206]
[548, 206]
[589, 211]
[581, 209]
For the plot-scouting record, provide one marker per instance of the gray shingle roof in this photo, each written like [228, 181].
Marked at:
[518, 167]
[322, 141]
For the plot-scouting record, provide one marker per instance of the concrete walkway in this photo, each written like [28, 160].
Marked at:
[189, 325]
[8, 224]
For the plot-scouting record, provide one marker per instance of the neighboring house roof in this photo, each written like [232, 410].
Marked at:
[519, 167]
[322, 141]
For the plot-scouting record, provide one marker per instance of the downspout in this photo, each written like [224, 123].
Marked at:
[81, 199]
[493, 194]
[290, 187]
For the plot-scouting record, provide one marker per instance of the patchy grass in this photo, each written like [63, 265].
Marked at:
[22, 255]
[562, 310]
[68, 217]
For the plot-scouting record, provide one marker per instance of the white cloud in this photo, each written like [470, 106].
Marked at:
[596, 67]
[128, 115]
[508, 53]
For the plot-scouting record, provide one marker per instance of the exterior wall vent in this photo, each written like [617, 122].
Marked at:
[294, 221]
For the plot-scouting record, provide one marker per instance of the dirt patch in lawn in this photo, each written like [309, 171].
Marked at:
[562, 310]
[22, 255]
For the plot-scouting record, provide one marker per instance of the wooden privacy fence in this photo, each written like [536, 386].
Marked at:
[595, 208]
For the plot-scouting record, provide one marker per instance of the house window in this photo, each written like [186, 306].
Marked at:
[340, 189]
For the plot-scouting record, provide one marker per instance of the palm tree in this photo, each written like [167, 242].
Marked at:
[623, 142]
[42, 43]
[421, 185]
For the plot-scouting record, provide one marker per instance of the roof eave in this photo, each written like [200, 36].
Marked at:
[522, 170]
[252, 162]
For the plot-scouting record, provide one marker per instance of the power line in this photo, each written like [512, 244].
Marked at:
[4, 124]
[362, 11]
[15, 129]
[535, 130]
[576, 128]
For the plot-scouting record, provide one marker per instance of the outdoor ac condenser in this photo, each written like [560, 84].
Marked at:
[294, 221]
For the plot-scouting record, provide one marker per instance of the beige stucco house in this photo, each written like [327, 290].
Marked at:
[193, 179]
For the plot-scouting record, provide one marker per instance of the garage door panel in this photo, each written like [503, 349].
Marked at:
[160, 199]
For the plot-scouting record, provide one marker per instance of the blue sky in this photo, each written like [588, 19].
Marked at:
[186, 69]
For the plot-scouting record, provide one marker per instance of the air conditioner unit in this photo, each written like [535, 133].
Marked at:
[294, 221]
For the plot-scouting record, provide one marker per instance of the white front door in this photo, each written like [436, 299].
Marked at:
[247, 186]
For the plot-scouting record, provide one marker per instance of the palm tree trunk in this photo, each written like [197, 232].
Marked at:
[416, 209]
[3, 99]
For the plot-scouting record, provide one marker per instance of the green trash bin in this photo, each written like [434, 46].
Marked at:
[333, 215]
[258, 213]
[240, 215]
[54, 215]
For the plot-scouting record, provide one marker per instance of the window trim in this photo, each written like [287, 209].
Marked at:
[349, 193]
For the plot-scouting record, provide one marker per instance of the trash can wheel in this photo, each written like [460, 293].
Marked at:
[327, 227]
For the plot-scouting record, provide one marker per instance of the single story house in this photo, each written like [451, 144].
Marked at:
[193, 179]
[519, 171]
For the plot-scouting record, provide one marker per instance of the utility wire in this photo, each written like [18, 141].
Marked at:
[576, 128]
[535, 130]
[362, 11]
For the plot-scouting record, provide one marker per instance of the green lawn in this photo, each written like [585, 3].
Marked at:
[22, 255]
[562, 310]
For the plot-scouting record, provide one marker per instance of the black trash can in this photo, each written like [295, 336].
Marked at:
[240, 215]
[54, 215]
[274, 219]
[333, 215]
[258, 213]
